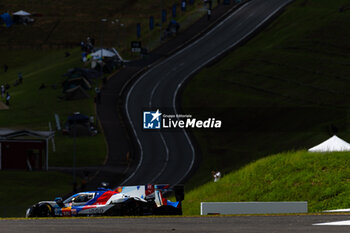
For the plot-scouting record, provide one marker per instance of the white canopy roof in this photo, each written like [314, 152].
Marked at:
[104, 53]
[332, 144]
[21, 13]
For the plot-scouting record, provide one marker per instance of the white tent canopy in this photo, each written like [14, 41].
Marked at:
[332, 144]
[21, 13]
[103, 53]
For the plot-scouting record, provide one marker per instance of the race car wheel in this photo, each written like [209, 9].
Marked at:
[167, 210]
[132, 208]
[128, 208]
[45, 211]
[115, 211]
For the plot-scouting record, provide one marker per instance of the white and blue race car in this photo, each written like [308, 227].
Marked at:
[123, 201]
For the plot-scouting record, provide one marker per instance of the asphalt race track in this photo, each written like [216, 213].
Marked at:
[168, 157]
[241, 224]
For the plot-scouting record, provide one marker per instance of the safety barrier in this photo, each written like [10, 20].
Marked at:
[212, 208]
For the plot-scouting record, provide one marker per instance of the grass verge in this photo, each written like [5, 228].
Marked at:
[20, 190]
[321, 179]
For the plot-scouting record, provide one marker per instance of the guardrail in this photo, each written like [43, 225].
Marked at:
[213, 208]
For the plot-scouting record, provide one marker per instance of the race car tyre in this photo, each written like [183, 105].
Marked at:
[132, 208]
[114, 211]
[45, 210]
[167, 210]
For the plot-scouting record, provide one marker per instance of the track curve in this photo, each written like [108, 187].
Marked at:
[168, 157]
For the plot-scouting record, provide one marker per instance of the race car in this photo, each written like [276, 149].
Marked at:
[123, 201]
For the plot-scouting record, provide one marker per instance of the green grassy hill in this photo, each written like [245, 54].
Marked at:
[31, 108]
[321, 179]
[286, 89]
